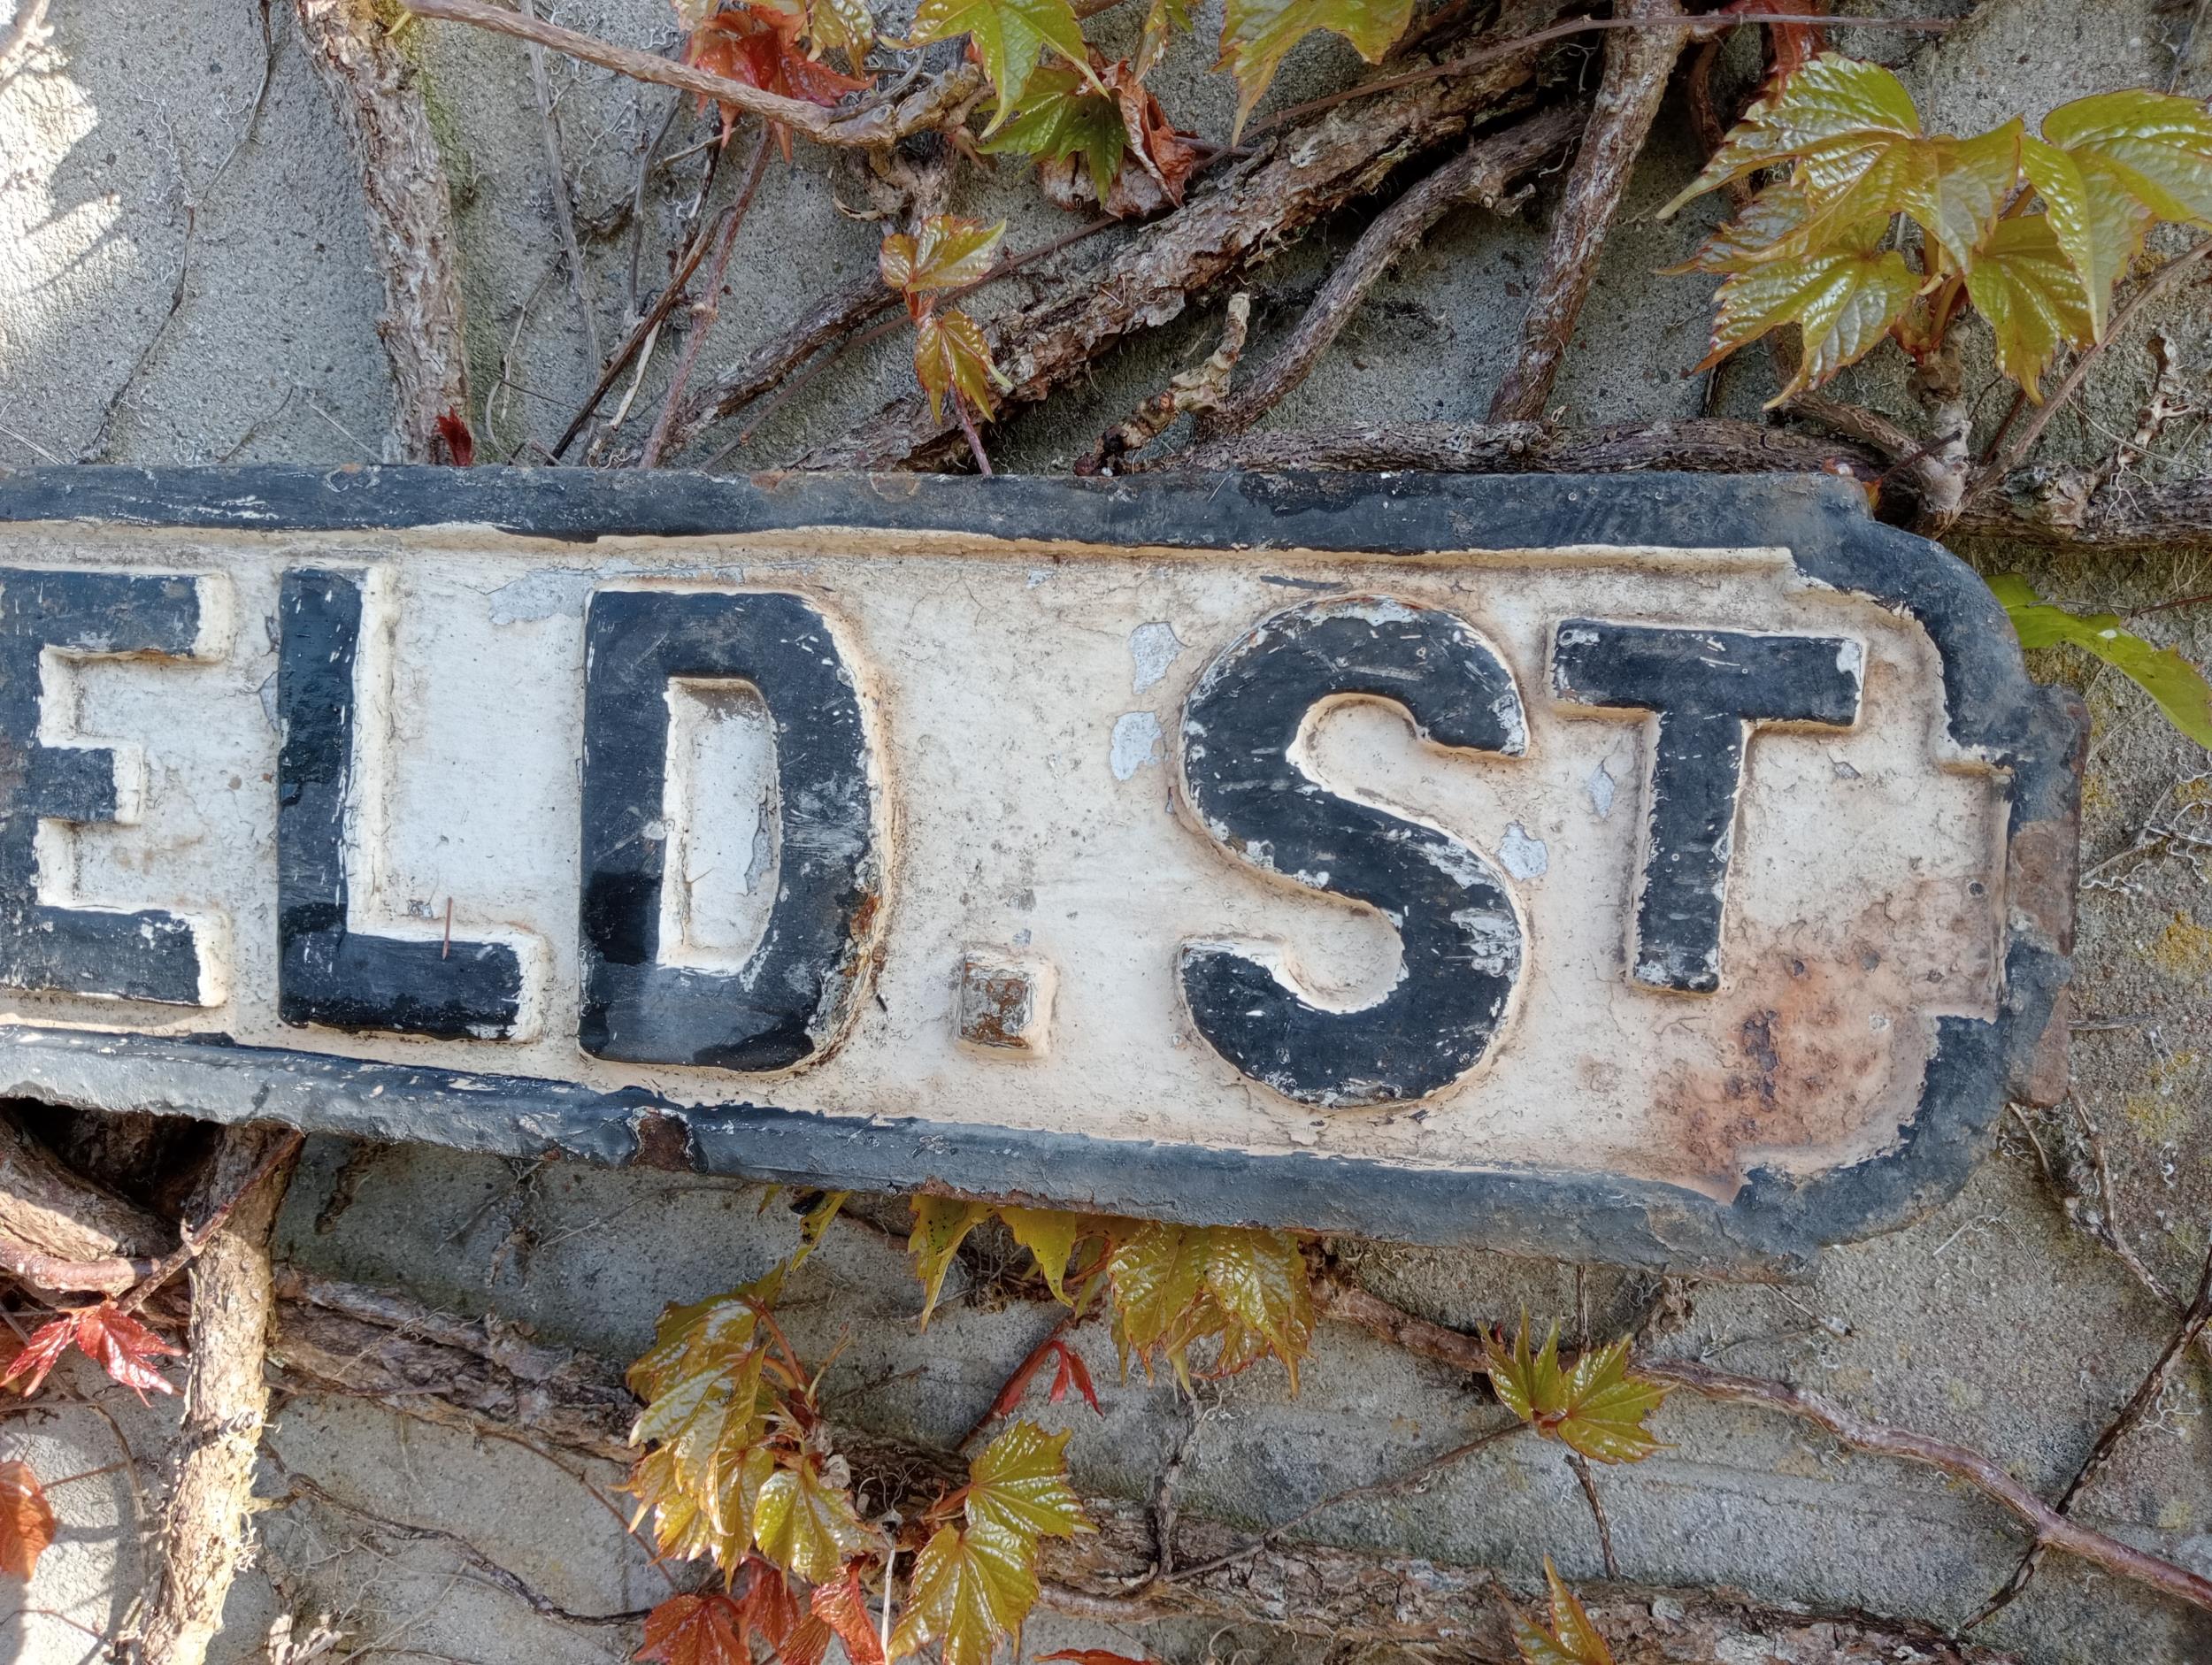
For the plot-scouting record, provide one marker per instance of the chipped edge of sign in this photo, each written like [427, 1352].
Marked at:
[1776, 1221]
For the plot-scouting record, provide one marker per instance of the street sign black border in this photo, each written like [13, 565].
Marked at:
[1774, 1223]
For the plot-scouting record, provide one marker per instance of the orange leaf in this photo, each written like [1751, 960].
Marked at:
[26, 1520]
[761, 48]
[842, 1605]
[695, 1631]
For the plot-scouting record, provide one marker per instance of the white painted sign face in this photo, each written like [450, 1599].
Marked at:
[1603, 869]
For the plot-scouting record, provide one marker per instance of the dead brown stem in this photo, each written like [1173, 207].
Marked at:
[1637, 64]
[410, 215]
[203, 1535]
[2131, 1416]
[1482, 174]
[563, 206]
[277, 1152]
[708, 306]
[1201, 388]
[1337, 1297]
[62, 1233]
[937, 102]
[1264, 202]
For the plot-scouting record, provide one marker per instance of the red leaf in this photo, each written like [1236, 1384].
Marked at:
[1794, 45]
[124, 1347]
[26, 1520]
[460, 444]
[1073, 1370]
[42, 1352]
[695, 1631]
[761, 49]
[768, 1604]
[842, 1605]
[807, 1645]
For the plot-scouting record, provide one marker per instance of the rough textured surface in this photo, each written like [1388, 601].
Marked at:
[2001, 1321]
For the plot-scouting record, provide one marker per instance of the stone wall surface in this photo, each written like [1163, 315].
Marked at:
[136, 172]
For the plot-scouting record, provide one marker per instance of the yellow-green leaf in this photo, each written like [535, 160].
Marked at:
[1955, 188]
[950, 355]
[2177, 686]
[805, 1524]
[1257, 35]
[2098, 224]
[708, 1336]
[1260, 1279]
[1774, 215]
[2157, 146]
[2023, 283]
[951, 252]
[843, 26]
[971, 1587]
[941, 1224]
[1597, 1408]
[1019, 1484]
[702, 1418]
[815, 1223]
[1843, 300]
[1050, 1235]
[1843, 114]
[1572, 1640]
[1156, 1276]
[1009, 36]
[1163, 19]
[1061, 116]
[718, 1523]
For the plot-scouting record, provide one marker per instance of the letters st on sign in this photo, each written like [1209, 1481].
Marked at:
[1670, 871]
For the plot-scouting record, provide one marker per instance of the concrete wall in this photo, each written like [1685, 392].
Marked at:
[1995, 1322]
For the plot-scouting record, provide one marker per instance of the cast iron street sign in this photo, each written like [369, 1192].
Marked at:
[1662, 869]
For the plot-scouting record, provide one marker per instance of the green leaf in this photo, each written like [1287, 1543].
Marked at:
[969, 1588]
[1163, 20]
[2023, 283]
[941, 1224]
[1846, 113]
[1009, 36]
[1019, 1484]
[951, 355]
[1050, 1235]
[2177, 686]
[805, 1524]
[1061, 116]
[1597, 1408]
[1572, 1640]
[1842, 300]
[2157, 145]
[1257, 35]
[2098, 225]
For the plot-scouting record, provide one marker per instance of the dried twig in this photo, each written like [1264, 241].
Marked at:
[1589, 1484]
[556, 181]
[411, 217]
[1338, 1298]
[1637, 63]
[2131, 1416]
[2158, 283]
[1262, 204]
[938, 102]
[708, 306]
[1483, 173]
[1201, 388]
[1698, 444]
[203, 1537]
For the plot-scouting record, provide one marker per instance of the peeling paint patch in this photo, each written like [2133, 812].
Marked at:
[1136, 742]
[1521, 855]
[1600, 786]
[1153, 648]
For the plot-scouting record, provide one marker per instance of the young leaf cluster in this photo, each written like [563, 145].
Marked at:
[1230, 1295]
[1870, 229]
[951, 358]
[741, 1471]
[1597, 1406]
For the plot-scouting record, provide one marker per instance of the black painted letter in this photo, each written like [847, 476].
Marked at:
[1242, 730]
[149, 955]
[793, 993]
[330, 973]
[1706, 688]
